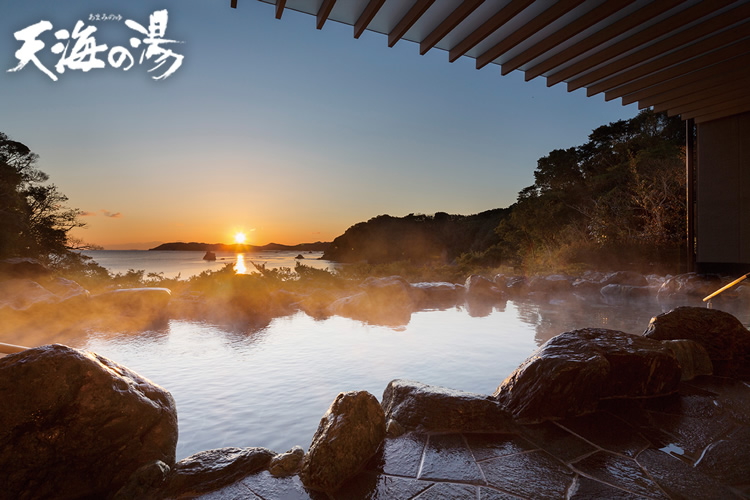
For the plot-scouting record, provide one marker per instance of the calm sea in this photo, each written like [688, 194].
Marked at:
[186, 264]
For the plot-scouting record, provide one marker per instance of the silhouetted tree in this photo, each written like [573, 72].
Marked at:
[621, 190]
[34, 218]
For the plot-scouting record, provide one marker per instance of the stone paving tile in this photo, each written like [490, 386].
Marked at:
[587, 489]
[266, 486]
[689, 401]
[621, 472]
[707, 424]
[400, 456]
[692, 435]
[449, 491]
[607, 432]
[236, 491]
[729, 462]
[371, 486]
[731, 395]
[448, 458]
[632, 412]
[535, 474]
[557, 441]
[680, 480]
[486, 446]
[489, 494]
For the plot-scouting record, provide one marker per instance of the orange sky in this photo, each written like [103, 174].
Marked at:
[272, 127]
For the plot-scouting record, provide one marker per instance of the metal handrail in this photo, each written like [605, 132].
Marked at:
[10, 348]
[725, 288]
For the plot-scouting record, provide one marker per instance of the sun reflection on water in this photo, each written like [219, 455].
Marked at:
[239, 265]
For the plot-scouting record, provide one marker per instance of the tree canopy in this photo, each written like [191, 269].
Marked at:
[34, 218]
[619, 196]
[616, 201]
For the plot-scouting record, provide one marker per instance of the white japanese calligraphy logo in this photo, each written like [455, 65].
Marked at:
[84, 52]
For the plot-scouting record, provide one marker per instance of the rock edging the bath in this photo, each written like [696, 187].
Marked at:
[86, 421]
[724, 337]
[417, 406]
[571, 372]
[349, 434]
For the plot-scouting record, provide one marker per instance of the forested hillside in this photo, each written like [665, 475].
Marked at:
[616, 201]
[419, 239]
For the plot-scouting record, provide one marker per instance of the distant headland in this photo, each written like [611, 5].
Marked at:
[318, 246]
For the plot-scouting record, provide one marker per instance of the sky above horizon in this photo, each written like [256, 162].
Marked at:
[271, 127]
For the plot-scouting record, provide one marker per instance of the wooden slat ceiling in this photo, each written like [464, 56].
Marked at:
[687, 57]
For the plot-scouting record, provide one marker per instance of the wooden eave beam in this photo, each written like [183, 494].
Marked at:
[600, 37]
[494, 23]
[233, 4]
[280, 4]
[714, 49]
[323, 12]
[449, 23]
[682, 39]
[710, 95]
[734, 98]
[677, 21]
[579, 25]
[706, 117]
[727, 108]
[406, 22]
[702, 78]
[538, 23]
[366, 17]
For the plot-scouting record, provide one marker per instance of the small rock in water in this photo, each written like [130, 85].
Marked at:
[286, 464]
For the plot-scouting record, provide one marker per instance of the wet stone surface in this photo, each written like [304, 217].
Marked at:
[694, 444]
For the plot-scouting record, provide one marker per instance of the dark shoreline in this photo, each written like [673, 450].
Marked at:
[318, 246]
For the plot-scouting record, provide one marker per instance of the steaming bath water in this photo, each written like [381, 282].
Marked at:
[270, 387]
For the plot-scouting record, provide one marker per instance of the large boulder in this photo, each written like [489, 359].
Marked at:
[514, 286]
[724, 337]
[550, 286]
[693, 358]
[480, 288]
[688, 287]
[629, 278]
[383, 301]
[571, 372]
[23, 267]
[436, 295]
[74, 424]
[417, 406]
[23, 293]
[349, 434]
[51, 296]
[615, 294]
[132, 301]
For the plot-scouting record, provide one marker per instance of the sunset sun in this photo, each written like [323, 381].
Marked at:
[240, 238]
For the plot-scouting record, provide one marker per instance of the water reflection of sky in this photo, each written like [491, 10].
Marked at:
[269, 387]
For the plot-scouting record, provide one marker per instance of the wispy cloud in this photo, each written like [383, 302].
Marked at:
[114, 215]
[84, 213]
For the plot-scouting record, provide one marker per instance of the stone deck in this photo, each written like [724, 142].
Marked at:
[692, 445]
